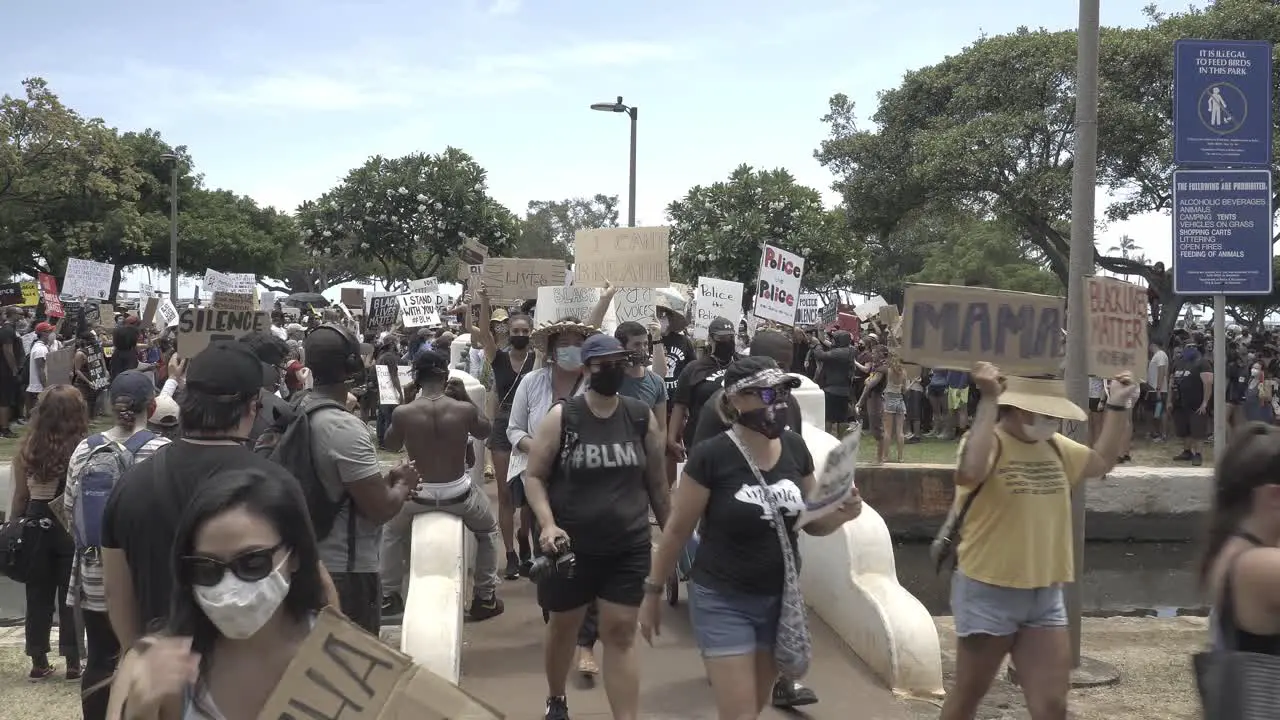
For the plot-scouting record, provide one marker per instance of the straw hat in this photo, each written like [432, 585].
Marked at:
[538, 339]
[1044, 397]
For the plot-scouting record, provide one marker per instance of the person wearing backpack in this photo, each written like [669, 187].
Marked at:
[596, 467]
[96, 467]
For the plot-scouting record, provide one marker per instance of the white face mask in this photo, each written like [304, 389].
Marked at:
[1042, 428]
[239, 608]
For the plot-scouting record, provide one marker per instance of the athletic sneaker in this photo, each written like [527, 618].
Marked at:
[485, 608]
[40, 673]
[513, 567]
[557, 709]
[791, 694]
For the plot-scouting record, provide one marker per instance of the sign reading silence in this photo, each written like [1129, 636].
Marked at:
[1222, 232]
[1222, 102]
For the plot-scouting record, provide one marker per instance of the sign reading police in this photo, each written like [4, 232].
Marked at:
[779, 285]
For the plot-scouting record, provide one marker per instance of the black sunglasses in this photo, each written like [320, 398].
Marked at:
[250, 566]
[770, 395]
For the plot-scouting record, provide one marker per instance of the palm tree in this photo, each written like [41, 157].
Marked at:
[1125, 249]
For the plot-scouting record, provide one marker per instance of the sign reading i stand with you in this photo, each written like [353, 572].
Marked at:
[1222, 230]
[88, 279]
[779, 285]
[418, 310]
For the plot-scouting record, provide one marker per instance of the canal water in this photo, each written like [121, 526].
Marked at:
[1120, 579]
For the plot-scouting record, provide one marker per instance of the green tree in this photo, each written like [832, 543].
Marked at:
[988, 253]
[548, 228]
[410, 215]
[718, 230]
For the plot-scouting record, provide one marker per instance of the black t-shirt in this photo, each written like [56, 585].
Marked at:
[599, 493]
[145, 509]
[9, 336]
[710, 424]
[1237, 381]
[1188, 388]
[679, 350]
[124, 349]
[739, 551]
[701, 379]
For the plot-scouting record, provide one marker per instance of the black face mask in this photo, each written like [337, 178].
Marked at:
[608, 379]
[724, 349]
[519, 342]
[768, 421]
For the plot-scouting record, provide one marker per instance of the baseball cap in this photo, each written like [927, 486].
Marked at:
[133, 386]
[720, 326]
[225, 367]
[601, 345]
[499, 315]
[44, 327]
[166, 412]
[756, 372]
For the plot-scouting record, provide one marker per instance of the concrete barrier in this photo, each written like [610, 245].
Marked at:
[438, 583]
[850, 581]
[1143, 504]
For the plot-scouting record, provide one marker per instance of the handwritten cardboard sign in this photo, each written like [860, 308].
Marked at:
[386, 391]
[342, 672]
[418, 310]
[149, 311]
[778, 288]
[197, 327]
[559, 302]
[353, 297]
[1117, 321]
[510, 279]
[626, 257]
[715, 298]
[383, 312]
[87, 279]
[233, 301]
[424, 285]
[473, 253]
[949, 326]
[57, 366]
[635, 304]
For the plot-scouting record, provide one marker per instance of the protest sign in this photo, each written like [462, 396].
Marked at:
[635, 304]
[88, 279]
[241, 283]
[557, 302]
[1117, 320]
[625, 257]
[57, 366]
[353, 297]
[30, 294]
[418, 310]
[466, 273]
[95, 367]
[199, 327]
[715, 298]
[779, 285]
[949, 326]
[10, 294]
[830, 312]
[386, 391]
[835, 479]
[49, 291]
[888, 316]
[424, 285]
[267, 300]
[340, 671]
[168, 313]
[473, 253]
[808, 310]
[145, 292]
[106, 310]
[512, 279]
[232, 301]
[149, 311]
[383, 311]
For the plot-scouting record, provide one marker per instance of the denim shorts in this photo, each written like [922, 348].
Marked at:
[982, 609]
[727, 624]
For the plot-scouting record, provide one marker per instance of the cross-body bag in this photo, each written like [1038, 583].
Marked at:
[793, 648]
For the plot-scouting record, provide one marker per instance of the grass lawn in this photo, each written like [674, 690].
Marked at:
[52, 699]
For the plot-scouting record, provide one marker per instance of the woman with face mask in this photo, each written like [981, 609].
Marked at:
[1014, 481]
[738, 574]
[248, 590]
[700, 380]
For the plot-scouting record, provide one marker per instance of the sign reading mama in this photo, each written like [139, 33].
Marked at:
[948, 326]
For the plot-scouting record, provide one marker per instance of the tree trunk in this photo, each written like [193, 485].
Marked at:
[1170, 308]
[116, 275]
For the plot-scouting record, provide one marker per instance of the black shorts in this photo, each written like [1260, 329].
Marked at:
[10, 389]
[936, 390]
[617, 578]
[837, 408]
[1190, 424]
[498, 440]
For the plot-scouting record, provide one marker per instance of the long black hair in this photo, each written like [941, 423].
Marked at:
[273, 496]
[1250, 460]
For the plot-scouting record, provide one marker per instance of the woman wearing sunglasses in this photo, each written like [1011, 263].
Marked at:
[248, 590]
[738, 485]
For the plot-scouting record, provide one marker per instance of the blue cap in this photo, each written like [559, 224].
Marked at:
[601, 345]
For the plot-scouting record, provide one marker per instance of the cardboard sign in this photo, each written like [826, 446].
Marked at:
[625, 257]
[809, 310]
[467, 273]
[49, 291]
[149, 312]
[233, 301]
[10, 294]
[353, 297]
[778, 288]
[199, 327]
[635, 304]
[240, 283]
[383, 311]
[425, 285]
[88, 279]
[168, 313]
[387, 391]
[715, 298]
[888, 316]
[1117, 328]
[342, 672]
[473, 253]
[57, 366]
[95, 366]
[514, 279]
[556, 303]
[830, 312]
[949, 326]
[418, 310]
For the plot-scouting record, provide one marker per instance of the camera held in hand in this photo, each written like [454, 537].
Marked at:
[560, 563]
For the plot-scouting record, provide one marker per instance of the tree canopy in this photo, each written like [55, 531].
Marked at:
[548, 229]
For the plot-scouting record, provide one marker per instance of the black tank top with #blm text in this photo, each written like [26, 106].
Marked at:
[598, 492]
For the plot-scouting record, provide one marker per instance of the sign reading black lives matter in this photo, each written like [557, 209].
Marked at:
[383, 311]
[949, 326]
[199, 327]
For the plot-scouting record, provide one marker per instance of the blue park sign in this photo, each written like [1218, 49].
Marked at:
[1222, 103]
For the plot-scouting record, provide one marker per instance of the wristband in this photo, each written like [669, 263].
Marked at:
[654, 588]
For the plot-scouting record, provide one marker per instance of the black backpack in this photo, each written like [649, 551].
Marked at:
[635, 412]
[287, 442]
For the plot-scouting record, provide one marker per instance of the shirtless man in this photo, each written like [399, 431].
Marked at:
[435, 428]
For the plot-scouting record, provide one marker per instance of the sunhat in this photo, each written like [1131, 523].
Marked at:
[538, 338]
[1043, 397]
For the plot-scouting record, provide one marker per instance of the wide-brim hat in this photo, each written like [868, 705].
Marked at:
[538, 338]
[1043, 397]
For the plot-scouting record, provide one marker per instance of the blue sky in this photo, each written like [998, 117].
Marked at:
[278, 99]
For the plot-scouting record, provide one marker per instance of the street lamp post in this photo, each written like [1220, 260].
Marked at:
[172, 160]
[632, 111]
